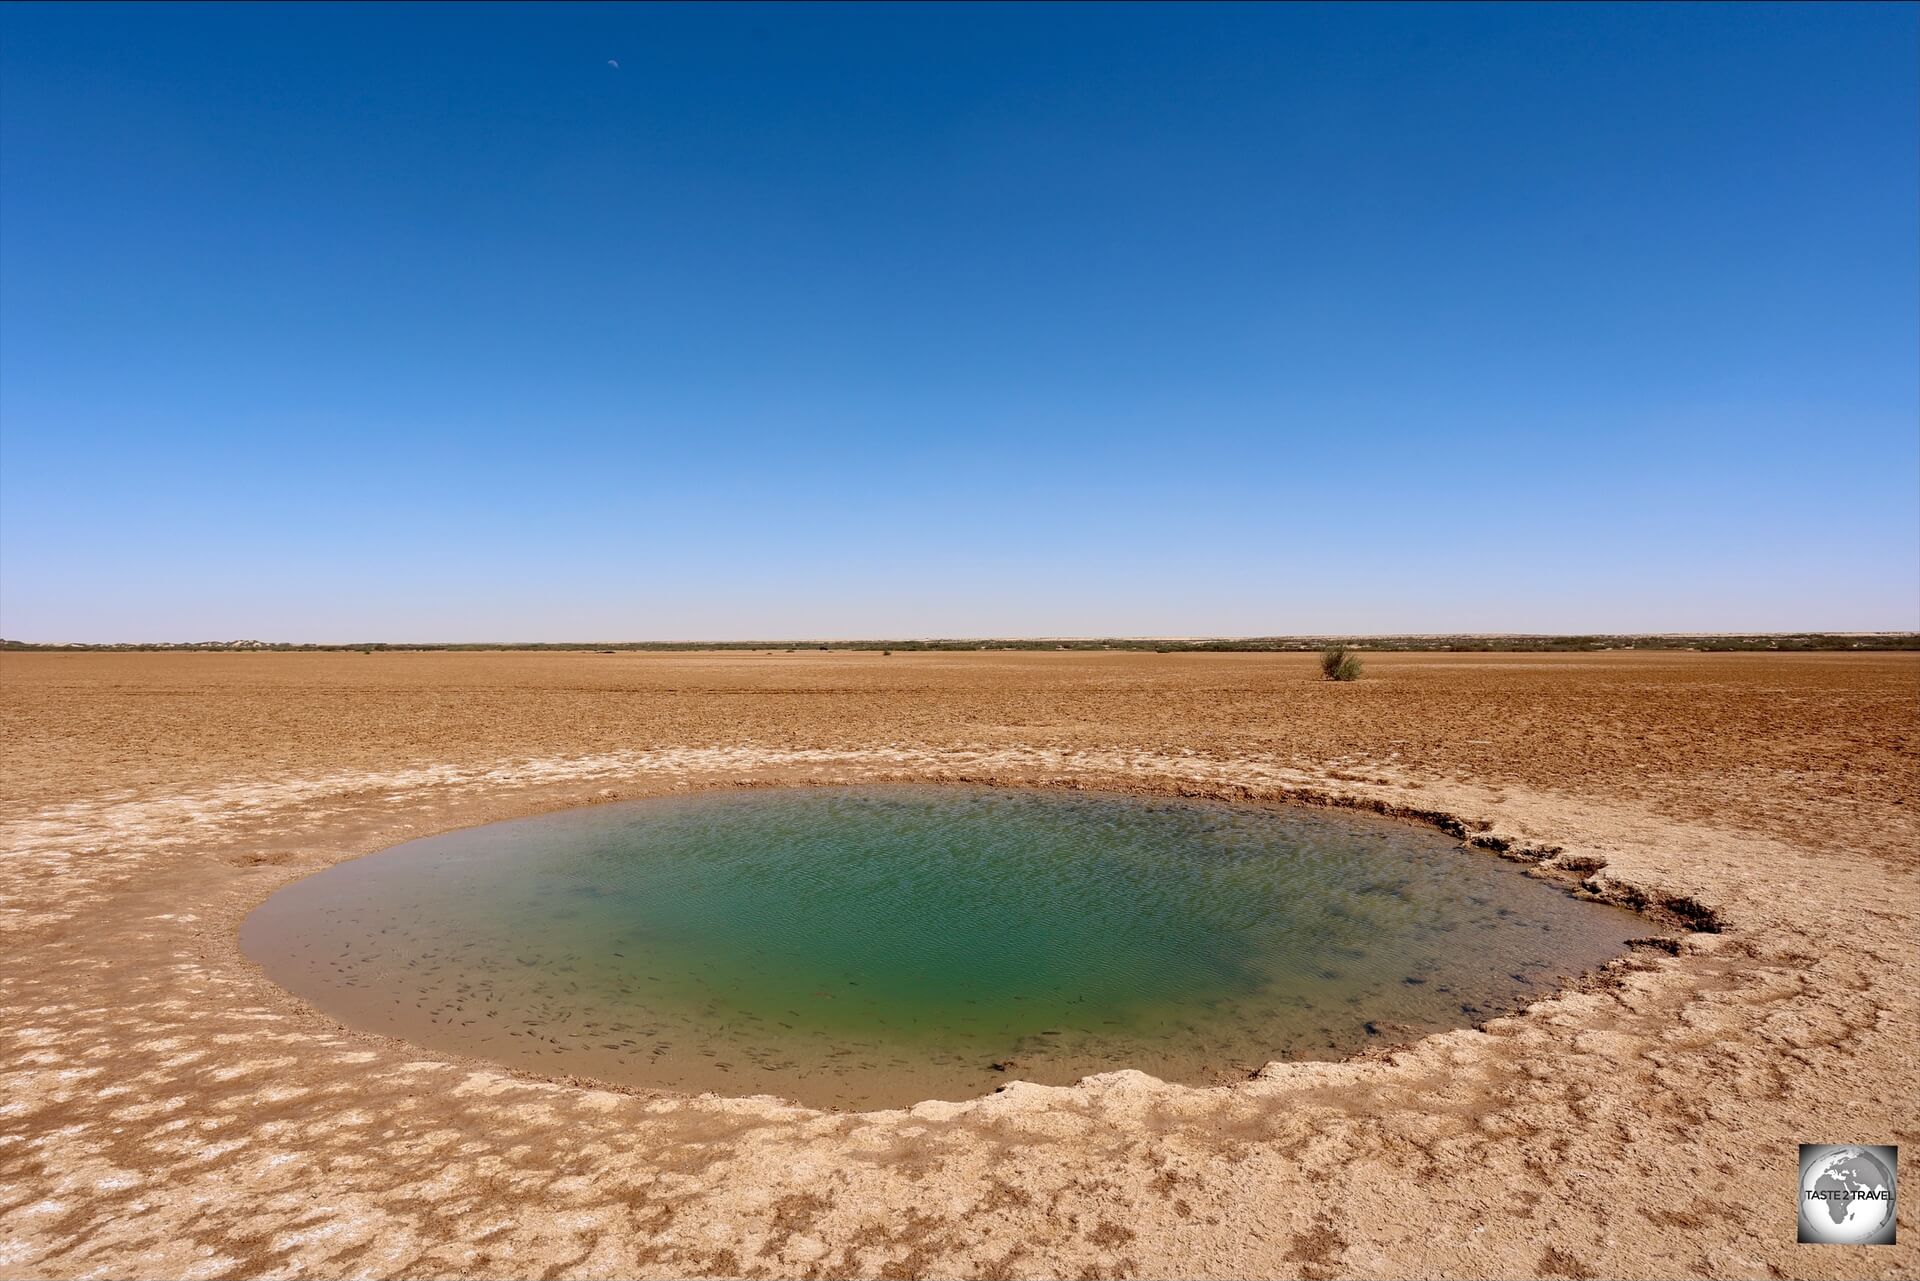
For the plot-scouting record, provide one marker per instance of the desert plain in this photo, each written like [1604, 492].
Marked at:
[167, 1111]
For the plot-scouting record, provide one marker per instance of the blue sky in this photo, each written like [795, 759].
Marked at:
[329, 323]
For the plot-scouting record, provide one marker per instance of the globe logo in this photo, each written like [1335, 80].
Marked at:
[1847, 1194]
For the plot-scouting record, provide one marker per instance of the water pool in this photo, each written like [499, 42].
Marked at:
[874, 946]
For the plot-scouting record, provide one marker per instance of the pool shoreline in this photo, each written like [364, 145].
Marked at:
[1381, 1031]
[543, 789]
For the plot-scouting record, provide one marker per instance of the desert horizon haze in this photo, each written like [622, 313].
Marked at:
[1386, 642]
[410, 321]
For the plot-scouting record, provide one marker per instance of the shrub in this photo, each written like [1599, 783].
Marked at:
[1338, 663]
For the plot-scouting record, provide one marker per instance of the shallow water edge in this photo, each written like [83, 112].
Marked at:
[564, 1015]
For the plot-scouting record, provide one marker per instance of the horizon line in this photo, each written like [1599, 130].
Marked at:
[980, 640]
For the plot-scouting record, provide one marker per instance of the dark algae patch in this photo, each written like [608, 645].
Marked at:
[874, 946]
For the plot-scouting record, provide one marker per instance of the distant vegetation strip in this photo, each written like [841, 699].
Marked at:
[1756, 641]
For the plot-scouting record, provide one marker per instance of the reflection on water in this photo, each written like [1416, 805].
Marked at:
[873, 946]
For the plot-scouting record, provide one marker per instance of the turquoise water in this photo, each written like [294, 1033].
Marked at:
[873, 946]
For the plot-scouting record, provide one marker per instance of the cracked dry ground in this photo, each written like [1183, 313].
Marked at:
[168, 1112]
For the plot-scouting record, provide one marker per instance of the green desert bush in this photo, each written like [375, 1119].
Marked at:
[1338, 663]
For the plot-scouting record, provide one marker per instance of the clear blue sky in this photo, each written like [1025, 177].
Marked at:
[330, 323]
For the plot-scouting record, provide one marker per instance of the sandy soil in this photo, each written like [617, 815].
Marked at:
[166, 1111]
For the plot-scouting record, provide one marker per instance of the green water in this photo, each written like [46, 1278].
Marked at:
[873, 946]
